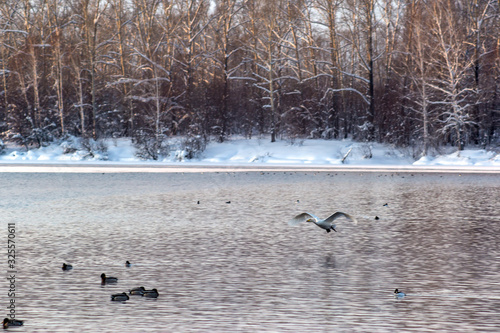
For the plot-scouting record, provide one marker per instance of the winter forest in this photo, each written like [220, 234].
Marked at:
[420, 73]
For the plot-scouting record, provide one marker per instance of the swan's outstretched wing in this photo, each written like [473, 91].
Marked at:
[336, 215]
[301, 218]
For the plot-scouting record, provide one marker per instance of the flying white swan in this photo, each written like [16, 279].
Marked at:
[324, 224]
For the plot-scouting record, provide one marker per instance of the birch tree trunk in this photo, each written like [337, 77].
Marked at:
[33, 62]
[91, 16]
[53, 10]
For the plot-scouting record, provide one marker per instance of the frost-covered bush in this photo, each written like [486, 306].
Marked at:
[41, 137]
[356, 152]
[366, 150]
[151, 147]
[191, 147]
[95, 149]
[295, 140]
[33, 136]
[69, 144]
[20, 139]
[84, 148]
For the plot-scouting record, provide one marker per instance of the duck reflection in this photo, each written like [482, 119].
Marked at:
[329, 261]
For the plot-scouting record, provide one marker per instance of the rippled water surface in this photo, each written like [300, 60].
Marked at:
[239, 267]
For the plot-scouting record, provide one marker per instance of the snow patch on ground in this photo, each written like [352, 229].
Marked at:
[463, 158]
[241, 152]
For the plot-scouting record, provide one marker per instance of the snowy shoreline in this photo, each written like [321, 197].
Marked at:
[110, 167]
[251, 155]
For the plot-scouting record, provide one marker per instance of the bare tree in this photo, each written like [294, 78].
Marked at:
[269, 60]
[91, 13]
[335, 91]
[57, 23]
[227, 27]
[480, 19]
[194, 22]
[323, 68]
[359, 19]
[31, 43]
[419, 99]
[121, 22]
[151, 37]
[8, 32]
[452, 66]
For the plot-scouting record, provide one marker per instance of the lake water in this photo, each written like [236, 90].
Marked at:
[239, 267]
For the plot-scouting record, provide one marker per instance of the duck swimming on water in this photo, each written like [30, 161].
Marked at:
[137, 291]
[324, 224]
[12, 322]
[120, 297]
[398, 293]
[108, 279]
[151, 293]
[66, 267]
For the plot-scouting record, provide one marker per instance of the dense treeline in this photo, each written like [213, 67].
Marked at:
[419, 73]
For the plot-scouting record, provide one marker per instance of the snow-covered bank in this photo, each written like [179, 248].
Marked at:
[261, 154]
[204, 168]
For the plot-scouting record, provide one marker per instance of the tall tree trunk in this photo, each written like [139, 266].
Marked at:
[336, 78]
[118, 6]
[53, 9]
[369, 55]
[270, 78]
